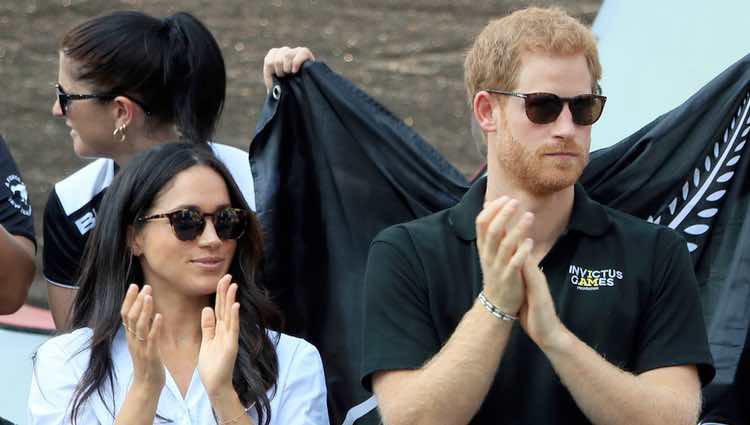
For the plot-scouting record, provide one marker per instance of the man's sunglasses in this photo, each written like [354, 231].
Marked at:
[544, 108]
[64, 99]
[189, 223]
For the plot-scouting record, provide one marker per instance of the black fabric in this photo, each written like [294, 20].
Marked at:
[688, 170]
[332, 168]
[641, 312]
[15, 207]
[65, 237]
[727, 400]
[680, 163]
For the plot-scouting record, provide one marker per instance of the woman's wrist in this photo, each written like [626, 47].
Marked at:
[146, 388]
[140, 404]
[227, 406]
[224, 392]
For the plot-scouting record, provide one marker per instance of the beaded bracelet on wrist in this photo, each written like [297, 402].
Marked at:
[494, 310]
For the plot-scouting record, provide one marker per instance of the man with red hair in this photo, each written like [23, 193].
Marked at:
[528, 302]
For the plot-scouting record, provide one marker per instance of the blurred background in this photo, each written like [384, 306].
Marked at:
[406, 54]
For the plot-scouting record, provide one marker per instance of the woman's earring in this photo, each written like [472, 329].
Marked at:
[119, 133]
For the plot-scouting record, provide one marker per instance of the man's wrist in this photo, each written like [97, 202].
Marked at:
[496, 311]
[559, 341]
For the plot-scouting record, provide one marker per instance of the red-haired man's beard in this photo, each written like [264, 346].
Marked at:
[545, 170]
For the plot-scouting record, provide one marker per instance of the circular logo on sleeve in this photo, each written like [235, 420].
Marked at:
[19, 196]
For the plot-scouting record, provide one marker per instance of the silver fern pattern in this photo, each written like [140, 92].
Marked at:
[697, 202]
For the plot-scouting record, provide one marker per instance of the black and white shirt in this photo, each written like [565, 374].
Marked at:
[70, 213]
[15, 208]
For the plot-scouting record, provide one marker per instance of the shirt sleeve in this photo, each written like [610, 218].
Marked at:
[238, 163]
[63, 245]
[53, 383]
[303, 394]
[673, 331]
[399, 332]
[15, 206]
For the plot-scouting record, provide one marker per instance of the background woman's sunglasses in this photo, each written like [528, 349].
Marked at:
[188, 223]
[64, 99]
[544, 108]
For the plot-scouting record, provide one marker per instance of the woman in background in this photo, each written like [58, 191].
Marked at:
[128, 81]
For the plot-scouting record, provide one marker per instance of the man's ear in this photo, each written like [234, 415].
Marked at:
[135, 242]
[484, 115]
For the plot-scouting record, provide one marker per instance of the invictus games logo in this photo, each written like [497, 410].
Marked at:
[591, 280]
[19, 196]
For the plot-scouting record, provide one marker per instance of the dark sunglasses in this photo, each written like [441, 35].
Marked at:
[189, 223]
[544, 108]
[64, 99]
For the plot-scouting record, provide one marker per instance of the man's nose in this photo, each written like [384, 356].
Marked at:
[564, 125]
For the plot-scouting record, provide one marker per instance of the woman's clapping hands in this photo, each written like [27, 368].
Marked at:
[220, 329]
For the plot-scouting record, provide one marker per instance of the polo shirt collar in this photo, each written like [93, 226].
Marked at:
[587, 217]
[463, 215]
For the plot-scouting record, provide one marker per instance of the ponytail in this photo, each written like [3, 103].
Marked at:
[195, 63]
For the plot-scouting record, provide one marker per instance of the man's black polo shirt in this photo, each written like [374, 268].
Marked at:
[624, 286]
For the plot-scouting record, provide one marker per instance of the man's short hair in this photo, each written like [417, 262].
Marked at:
[494, 59]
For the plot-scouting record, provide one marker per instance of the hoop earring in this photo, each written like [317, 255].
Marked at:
[119, 133]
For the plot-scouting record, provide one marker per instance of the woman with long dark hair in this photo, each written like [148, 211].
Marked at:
[128, 81]
[169, 324]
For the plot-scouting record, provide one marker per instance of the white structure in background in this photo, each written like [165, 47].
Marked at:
[656, 54]
[17, 367]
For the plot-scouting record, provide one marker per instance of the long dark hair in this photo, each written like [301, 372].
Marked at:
[109, 267]
[173, 66]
